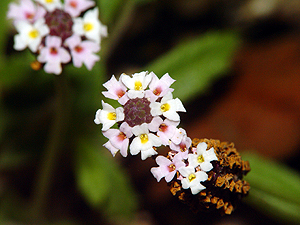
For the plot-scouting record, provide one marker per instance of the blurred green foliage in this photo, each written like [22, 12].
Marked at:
[274, 188]
[195, 63]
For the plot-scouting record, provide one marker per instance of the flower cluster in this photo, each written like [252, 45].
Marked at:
[224, 181]
[190, 167]
[147, 119]
[202, 173]
[57, 33]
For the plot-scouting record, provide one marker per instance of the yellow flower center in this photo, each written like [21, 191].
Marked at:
[88, 26]
[49, 1]
[111, 116]
[200, 159]
[192, 177]
[165, 107]
[34, 33]
[138, 86]
[144, 138]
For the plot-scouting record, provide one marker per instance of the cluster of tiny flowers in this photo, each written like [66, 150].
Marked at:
[188, 167]
[57, 33]
[148, 117]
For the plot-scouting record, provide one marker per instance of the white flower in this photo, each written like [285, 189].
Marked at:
[144, 141]
[30, 34]
[90, 26]
[192, 179]
[50, 5]
[136, 84]
[203, 157]
[108, 116]
[168, 107]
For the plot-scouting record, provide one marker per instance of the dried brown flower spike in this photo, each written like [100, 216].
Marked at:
[224, 186]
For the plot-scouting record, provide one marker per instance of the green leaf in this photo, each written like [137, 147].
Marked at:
[274, 206]
[196, 63]
[274, 187]
[102, 182]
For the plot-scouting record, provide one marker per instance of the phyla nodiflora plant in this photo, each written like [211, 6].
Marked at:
[205, 174]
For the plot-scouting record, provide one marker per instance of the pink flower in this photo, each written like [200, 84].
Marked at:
[167, 168]
[53, 54]
[165, 129]
[159, 87]
[76, 7]
[83, 51]
[27, 10]
[180, 141]
[111, 148]
[119, 139]
[116, 90]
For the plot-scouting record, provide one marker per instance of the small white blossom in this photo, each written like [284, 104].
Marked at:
[203, 157]
[144, 141]
[168, 107]
[30, 34]
[136, 84]
[192, 179]
[50, 5]
[108, 116]
[90, 26]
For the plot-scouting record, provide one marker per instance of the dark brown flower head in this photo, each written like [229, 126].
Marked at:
[137, 111]
[225, 185]
[60, 24]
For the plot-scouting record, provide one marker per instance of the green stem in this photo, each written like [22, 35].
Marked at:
[53, 148]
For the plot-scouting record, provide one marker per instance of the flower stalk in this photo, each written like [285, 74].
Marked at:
[53, 147]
